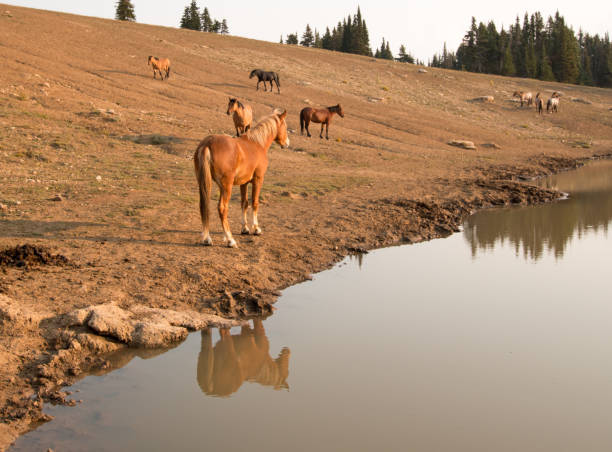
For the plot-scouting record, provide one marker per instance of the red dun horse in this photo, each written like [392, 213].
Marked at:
[524, 97]
[236, 161]
[160, 65]
[323, 116]
[243, 115]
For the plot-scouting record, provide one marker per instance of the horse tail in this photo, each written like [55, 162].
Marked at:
[277, 79]
[201, 160]
[302, 122]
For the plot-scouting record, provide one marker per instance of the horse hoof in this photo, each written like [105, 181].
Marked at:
[207, 241]
[257, 231]
[232, 244]
[245, 231]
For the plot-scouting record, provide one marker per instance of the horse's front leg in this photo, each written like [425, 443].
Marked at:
[258, 82]
[327, 130]
[322, 127]
[237, 131]
[257, 184]
[244, 203]
[224, 198]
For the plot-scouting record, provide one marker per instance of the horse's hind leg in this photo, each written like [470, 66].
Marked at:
[322, 127]
[327, 131]
[224, 197]
[244, 203]
[307, 125]
[257, 183]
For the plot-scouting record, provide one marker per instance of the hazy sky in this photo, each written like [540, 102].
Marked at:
[422, 26]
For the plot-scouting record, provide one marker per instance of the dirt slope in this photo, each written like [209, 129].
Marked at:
[95, 166]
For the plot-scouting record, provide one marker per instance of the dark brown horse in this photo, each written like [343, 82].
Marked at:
[539, 103]
[322, 116]
[236, 161]
[265, 76]
[160, 65]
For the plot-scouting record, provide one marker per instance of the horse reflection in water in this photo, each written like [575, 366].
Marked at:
[238, 358]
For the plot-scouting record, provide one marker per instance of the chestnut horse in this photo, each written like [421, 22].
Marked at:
[236, 161]
[159, 65]
[323, 116]
[525, 97]
[243, 115]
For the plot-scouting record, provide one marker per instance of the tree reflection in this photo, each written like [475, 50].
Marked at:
[551, 227]
[238, 358]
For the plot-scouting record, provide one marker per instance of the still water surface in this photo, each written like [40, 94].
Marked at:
[498, 338]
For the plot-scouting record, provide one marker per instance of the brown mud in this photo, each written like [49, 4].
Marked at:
[98, 208]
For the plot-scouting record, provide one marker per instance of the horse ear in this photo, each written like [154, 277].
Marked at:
[283, 115]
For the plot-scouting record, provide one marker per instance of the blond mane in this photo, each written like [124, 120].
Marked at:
[265, 128]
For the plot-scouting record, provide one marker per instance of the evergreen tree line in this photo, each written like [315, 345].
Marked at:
[192, 19]
[544, 50]
[350, 36]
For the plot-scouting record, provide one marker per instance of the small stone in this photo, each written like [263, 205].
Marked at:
[491, 145]
[422, 71]
[98, 178]
[57, 198]
[462, 144]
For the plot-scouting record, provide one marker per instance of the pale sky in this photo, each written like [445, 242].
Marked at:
[422, 26]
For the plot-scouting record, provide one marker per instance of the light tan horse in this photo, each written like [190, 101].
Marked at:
[242, 115]
[524, 97]
[160, 65]
[552, 106]
[236, 161]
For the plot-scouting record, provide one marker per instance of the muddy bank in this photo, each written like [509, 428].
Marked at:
[84, 341]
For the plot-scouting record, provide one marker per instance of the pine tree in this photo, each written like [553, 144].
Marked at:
[318, 42]
[508, 67]
[216, 26]
[125, 11]
[307, 37]
[191, 17]
[206, 21]
[281, 40]
[292, 38]
[224, 28]
[326, 41]
[405, 57]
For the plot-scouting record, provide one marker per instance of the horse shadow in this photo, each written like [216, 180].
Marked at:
[55, 230]
[230, 85]
[240, 358]
[133, 74]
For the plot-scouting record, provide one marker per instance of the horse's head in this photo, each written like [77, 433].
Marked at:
[149, 60]
[517, 94]
[253, 72]
[232, 106]
[281, 136]
[340, 110]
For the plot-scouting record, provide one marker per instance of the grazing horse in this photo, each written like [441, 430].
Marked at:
[243, 115]
[525, 97]
[323, 116]
[160, 65]
[552, 106]
[236, 161]
[539, 103]
[263, 76]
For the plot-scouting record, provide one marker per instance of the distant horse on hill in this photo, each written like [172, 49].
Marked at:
[524, 97]
[552, 106]
[236, 161]
[263, 76]
[160, 65]
[242, 115]
[323, 116]
[539, 103]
